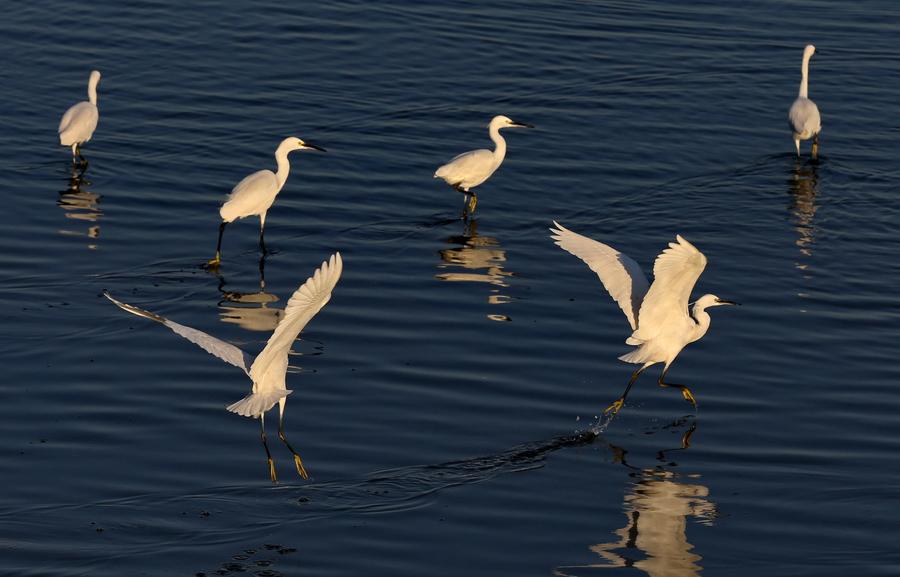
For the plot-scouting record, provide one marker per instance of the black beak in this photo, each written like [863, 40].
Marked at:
[522, 124]
[314, 147]
[725, 302]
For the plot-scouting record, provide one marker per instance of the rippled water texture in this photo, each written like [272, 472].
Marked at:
[444, 399]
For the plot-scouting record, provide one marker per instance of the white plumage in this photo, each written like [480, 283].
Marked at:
[803, 116]
[79, 122]
[255, 194]
[269, 369]
[472, 168]
[658, 314]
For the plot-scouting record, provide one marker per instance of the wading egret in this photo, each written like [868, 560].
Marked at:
[269, 369]
[660, 321]
[255, 194]
[79, 122]
[804, 114]
[470, 169]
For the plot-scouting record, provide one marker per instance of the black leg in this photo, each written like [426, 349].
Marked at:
[300, 468]
[685, 392]
[218, 258]
[262, 423]
[262, 241]
[617, 404]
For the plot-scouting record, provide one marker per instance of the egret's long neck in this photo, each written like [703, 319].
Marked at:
[284, 166]
[804, 79]
[92, 91]
[702, 317]
[500, 144]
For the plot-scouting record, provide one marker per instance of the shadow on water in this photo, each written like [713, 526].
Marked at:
[251, 311]
[478, 259]
[80, 204]
[657, 506]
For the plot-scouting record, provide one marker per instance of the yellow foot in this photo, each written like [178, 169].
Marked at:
[300, 468]
[815, 150]
[272, 471]
[214, 262]
[688, 396]
[472, 204]
[614, 408]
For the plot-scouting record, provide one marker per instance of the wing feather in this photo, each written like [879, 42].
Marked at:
[216, 347]
[620, 274]
[302, 306]
[675, 272]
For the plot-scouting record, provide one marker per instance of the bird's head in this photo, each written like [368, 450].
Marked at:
[507, 122]
[95, 76]
[809, 51]
[293, 143]
[707, 301]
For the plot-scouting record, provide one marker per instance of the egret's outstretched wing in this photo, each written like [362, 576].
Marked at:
[217, 347]
[620, 275]
[675, 273]
[303, 305]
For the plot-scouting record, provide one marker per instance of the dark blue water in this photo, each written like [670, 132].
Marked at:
[441, 398]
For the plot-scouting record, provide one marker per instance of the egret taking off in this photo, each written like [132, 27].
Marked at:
[255, 194]
[470, 169]
[660, 321]
[804, 114]
[269, 369]
[79, 122]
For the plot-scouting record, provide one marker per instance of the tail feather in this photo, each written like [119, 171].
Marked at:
[638, 356]
[255, 404]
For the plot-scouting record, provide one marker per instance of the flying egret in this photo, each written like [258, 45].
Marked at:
[269, 369]
[804, 114]
[79, 122]
[658, 313]
[255, 194]
[470, 169]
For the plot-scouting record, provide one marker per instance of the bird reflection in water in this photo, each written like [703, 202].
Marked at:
[654, 539]
[804, 187]
[250, 310]
[476, 259]
[81, 204]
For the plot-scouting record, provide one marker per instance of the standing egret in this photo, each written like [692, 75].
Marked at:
[804, 114]
[658, 314]
[470, 169]
[256, 193]
[269, 369]
[79, 122]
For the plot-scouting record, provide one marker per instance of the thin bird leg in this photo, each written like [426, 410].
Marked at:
[218, 258]
[299, 463]
[617, 404]
[815, 148]
[262, 241]
[262, 424]
[473, 203]
[685, 392]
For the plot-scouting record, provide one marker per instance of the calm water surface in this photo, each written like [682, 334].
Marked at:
[441, 398]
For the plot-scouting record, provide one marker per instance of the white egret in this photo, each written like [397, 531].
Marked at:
[804, 114]
[470, 169]
[256, 193]
[658, 314]
[79, 122]
[269, 369]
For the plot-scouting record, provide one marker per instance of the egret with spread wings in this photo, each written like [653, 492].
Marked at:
[269, 369]
[79, 122]
[660, 321]
[256, 194]
[472, 168]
